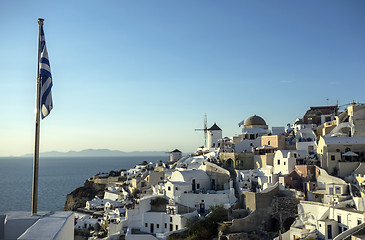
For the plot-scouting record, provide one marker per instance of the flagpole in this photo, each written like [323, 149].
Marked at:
[37, 129]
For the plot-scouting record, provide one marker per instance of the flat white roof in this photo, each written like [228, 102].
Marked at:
[343, 140]
[47, 227]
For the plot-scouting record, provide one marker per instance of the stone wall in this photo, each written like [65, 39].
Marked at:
[107, 180]
[346, 168]
[260, 205]
[284, 208]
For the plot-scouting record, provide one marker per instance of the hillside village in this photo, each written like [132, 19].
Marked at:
[302, 181]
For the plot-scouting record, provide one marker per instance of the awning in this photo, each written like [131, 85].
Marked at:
[350, 154]
[338, 134]
[264, 147]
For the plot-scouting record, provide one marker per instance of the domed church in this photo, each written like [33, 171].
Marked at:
[255, 122]
[244, 144]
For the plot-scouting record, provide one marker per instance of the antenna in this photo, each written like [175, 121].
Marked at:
[205, 129]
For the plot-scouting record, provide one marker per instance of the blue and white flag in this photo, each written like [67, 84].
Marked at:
[45, 75]
[241, 123]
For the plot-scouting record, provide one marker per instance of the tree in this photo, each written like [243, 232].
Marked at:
[135, 192]
[208, 227]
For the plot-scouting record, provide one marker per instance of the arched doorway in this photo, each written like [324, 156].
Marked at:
[230, 163]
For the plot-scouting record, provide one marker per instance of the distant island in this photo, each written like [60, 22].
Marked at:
[98, 153]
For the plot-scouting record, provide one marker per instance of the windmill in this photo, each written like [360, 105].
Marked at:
[205, 129]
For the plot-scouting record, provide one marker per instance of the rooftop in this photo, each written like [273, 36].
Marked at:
[254, 120]
[343, 140]
[214, 128]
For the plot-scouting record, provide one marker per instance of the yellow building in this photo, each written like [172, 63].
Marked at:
[341, 155]
[239, 161]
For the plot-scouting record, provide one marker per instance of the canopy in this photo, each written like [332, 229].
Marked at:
[338, 134]
[351, 154]
[264, 147]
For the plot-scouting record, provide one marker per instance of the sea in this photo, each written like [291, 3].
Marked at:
[58, 176]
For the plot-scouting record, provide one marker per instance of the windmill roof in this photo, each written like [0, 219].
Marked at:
[215, 128]
[176, 150]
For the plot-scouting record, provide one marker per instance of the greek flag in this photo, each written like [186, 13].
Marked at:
[241, 123]
[45, 76]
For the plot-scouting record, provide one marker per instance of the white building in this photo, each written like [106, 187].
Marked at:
[187, 181]
[175, 155]
[325, 219]
[85, 221]
[285, 160]
[329, 190]
[193, 188]
[100, 204]
[255, 179]
[173, 218]
[113, 194]
[214, 134]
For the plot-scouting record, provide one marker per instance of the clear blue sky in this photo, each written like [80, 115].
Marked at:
[139, 75]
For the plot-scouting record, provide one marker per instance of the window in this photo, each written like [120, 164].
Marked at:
[333, 157]
[339, 229]
[338, 218]
[358, 222]
[175, 188]
[295, 155]
[279, 162]
[170, 219]
[169, 188]
[198, 186]
[268, 142]
[338, 190]
[146, 224]
[284, 163]
[177, 227]
[157, 225]
[165, 225]
[213, 145]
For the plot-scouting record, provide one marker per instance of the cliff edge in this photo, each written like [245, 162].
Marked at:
[78, 197]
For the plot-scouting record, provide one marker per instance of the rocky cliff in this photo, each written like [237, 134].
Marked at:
[78, 197]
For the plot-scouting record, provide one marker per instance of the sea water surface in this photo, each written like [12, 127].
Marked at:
[58, 176]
